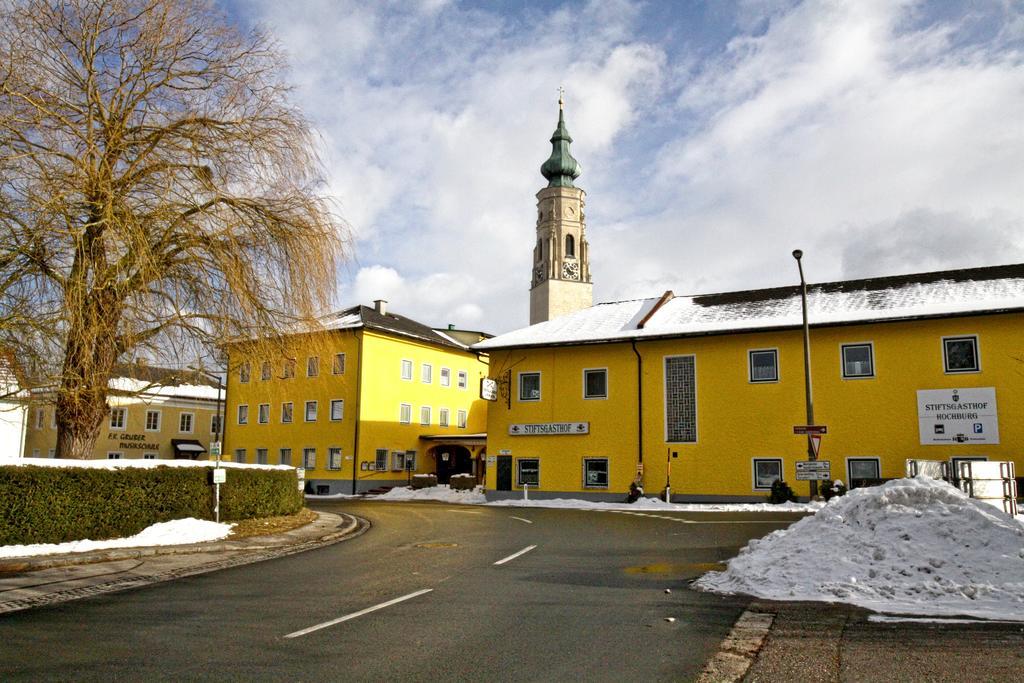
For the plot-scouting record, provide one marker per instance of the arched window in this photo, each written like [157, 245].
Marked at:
[570, 246]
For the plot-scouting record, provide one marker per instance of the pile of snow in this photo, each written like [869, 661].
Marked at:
[910, 546]
[443, 493]
[176, 532]
[126, 462]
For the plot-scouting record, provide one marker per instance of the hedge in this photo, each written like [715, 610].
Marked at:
[58, 504]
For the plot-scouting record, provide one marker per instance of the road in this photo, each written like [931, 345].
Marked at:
[588, 600]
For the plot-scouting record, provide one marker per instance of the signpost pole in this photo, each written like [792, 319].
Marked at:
[798, 254]
[668, 475]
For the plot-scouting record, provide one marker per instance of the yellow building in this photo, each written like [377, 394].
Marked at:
[702, 393]
[367, 402]
[155, 413]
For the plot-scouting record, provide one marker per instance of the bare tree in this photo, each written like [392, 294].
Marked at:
[159, 193]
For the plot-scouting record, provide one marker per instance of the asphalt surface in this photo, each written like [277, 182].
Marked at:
[418, 597]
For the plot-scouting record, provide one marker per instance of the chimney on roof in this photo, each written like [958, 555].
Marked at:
[451, 326]
[381, 306]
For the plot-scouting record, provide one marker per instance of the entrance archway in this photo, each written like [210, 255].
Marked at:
[451, 459]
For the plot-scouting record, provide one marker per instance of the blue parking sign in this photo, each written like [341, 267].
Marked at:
[977, 428]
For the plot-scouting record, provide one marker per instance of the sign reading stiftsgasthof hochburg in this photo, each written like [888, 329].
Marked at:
[951, 416]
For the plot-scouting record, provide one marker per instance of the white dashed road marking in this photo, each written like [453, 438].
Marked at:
[360, 613]
[515, 555]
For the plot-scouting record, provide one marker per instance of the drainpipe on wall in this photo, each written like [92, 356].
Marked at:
[639, 413]
[359, 410]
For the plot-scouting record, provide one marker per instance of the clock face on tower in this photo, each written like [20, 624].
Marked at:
[571, 270]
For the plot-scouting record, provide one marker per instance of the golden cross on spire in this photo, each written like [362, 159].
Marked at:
[561, 98]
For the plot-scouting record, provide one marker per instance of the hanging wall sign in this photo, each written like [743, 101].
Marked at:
[952, 416]
[547, 428]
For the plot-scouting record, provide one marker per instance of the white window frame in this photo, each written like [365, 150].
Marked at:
[519, 471]
[397, 461]
[380, 460]
[334, 458]
[242, 416]
[425, 415]
[463, 379]
[664, 402]
[338, 362]
[586, 371]
[426, 373]
[35, 453]
[53, 418]
[861, 458]
[461, 419]
[443, 417]
[842, 359]
[52, 453]
[519, 386]
[750, 366]
[263, 414]
[312, 366]
[309, 458]
[288, 368]
[290, 418]
[410, 461]
[977, 354]
[159, 419]
[240, 455]
[284, 456]
[123, 422]
[191, 422]
[607, 473]
[262, 456]
[244, 373]
[305, 411]
[150, 456]
[445, 377]
[406, 370]
[405, 413]
[40, 417]
[753, 472]
[111, 455]
[340, 404]
[266, 373]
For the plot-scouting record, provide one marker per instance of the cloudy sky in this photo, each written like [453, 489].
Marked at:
[880, 137]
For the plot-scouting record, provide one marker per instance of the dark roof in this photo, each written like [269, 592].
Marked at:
[873, 284]
[968, 291]
[389, 323]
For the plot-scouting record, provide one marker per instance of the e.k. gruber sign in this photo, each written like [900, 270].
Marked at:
[951, 416]
[549, 428]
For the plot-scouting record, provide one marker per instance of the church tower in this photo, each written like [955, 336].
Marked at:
[561, 258]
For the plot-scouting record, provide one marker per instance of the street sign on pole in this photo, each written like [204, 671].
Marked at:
[813, 470]
[815, 443]
[810, 429]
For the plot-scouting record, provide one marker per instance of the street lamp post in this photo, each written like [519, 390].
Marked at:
[798, 254]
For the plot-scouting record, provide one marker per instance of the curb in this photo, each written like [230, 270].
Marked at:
[234, 555]
[739, 649]
[324, 520]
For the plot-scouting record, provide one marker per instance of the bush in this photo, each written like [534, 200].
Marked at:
[781, 493]
[58, 504]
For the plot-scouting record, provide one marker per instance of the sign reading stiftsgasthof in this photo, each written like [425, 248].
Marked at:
[546, 428]
[951, 416]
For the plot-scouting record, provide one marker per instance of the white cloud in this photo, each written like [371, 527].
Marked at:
[830, 126]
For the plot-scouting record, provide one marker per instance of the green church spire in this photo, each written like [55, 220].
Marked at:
[561, 168]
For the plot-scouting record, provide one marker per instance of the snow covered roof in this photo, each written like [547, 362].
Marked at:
[938, 294]
[389, 323]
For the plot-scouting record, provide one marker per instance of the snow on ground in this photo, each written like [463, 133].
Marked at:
[176, 532]
[911, 546]
[445, 494]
